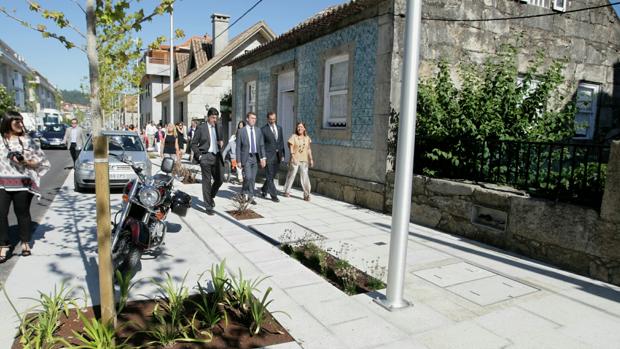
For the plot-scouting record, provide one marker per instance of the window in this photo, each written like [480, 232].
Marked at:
[250, 96]
[336, 95]
[587, 107]
[560, 5]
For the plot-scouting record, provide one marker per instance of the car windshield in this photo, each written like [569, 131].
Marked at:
[54, 128]
[130, 143]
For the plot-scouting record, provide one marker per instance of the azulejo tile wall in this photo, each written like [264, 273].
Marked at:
[364, 34]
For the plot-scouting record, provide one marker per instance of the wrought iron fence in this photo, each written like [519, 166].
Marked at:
[572, 172]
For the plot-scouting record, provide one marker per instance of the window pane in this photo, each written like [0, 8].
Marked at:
[585, 97]
[338, 76]
[338, 106]
[582, 124]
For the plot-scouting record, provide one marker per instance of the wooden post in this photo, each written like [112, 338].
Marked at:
[102, 180]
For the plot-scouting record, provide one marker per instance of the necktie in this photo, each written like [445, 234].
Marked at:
[252, 144]
[275, 131]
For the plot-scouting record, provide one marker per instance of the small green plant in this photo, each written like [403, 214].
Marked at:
[241, 203]
[220, 281]
[125, 285]
[241, 292]
[38, 330]
[376, 273]
[95, 335]
[258, 311]
[348, 275]
[208, 308]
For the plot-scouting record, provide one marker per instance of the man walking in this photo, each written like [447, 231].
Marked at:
[250, 152]
[274, 152]
[150, 134]
[74, 139]
[207, 147]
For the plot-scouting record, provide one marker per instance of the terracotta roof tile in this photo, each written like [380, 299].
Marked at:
[182, 63]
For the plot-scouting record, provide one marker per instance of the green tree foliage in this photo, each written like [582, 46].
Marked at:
[75, 97]
[490, 104]
[7, 101]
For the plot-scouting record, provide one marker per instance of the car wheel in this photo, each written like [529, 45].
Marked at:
[76, 186]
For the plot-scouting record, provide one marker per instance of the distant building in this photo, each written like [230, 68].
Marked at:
[202, 76]
[32, 91]
[129, 112]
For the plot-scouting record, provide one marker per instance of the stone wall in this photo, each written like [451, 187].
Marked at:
[572, 237]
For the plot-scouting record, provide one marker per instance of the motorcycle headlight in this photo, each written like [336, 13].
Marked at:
[149, 196]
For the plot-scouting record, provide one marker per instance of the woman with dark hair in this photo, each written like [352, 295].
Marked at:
[301, 158]
[22, 164]
[180, 129]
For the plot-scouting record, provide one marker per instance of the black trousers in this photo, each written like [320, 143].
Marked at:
[270, 173]
[212, 169]
[74, 152]
[21, 206]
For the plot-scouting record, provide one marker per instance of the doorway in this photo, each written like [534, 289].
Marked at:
[286, 106]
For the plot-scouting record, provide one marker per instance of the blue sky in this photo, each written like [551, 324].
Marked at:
[66, 68]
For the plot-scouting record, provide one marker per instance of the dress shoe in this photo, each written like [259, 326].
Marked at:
[212, 203]
[275, 199]
[263, 194]
[253, 202]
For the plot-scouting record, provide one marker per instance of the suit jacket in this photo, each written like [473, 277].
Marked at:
[243, 144]
[274, 148]
[80, 139]
[201, 141]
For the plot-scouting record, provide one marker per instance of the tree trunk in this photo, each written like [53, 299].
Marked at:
[102, 185]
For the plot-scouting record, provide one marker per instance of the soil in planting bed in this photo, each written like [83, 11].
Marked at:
[137, 316]
[364, 282]
[247, 214]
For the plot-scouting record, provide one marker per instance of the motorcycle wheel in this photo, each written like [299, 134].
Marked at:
[125, 256]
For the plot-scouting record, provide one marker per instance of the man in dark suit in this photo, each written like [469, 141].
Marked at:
[250, 153]
[207, 145]
[274, 151]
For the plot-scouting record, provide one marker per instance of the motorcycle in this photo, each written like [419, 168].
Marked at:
[141, 227]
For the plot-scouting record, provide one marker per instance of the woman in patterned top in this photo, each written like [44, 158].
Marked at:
[22, 163]
[301, 158]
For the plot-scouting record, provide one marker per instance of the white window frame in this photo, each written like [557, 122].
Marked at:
[539, 3]
[560, 5]
[327, 94]
[250, 105]
[596, 89]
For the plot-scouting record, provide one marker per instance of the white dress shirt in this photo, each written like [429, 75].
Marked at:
[213, 139]
[74, 132]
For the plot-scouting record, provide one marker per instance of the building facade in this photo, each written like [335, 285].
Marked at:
[31, 90]
[339, 72]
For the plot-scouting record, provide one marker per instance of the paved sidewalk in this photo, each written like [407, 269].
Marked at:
[464, 294]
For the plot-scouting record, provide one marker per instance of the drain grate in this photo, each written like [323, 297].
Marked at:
[380, 243]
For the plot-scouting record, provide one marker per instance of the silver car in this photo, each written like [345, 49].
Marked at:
[120, 173]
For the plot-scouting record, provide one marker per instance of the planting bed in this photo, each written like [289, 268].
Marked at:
[247, 214]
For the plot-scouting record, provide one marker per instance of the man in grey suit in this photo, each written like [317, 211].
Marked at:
[274, 147]
[250, 152]
[74, 139]
[207, 147]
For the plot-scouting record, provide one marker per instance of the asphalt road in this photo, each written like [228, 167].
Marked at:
[50, 185]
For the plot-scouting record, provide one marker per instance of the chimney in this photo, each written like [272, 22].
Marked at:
[220, 34]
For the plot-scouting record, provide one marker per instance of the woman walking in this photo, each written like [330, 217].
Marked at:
[170, 148]
[22, 164]
[232, 148]
[180, 130]
[301, 158]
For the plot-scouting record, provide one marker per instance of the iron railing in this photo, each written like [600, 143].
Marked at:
[571, 172]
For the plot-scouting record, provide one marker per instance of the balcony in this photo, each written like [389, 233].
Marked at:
[157, 66]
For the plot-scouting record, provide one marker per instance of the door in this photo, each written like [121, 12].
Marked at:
[286, 106]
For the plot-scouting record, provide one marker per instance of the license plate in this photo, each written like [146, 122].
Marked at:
[118, 176]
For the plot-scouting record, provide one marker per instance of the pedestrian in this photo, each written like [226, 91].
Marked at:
[74, 139]
[170, 143]
[274, 148]
[301, 158]
[150, 134]
[250, 153]
[190, 135]
[180, 130]
[231, 148]
[22, 164]
[159, 137]
[207, 147]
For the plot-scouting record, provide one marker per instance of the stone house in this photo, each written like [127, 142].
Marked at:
[340, 73]
[202, 77]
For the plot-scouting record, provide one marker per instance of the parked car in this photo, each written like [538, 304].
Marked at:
[51, 136]
[120, 173]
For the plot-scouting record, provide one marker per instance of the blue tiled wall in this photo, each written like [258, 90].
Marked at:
[307, 56]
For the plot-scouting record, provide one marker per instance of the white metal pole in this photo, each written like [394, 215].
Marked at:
[403, 182]
[171, 107]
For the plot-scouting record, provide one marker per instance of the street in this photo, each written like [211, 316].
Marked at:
[50, 185]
